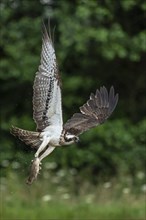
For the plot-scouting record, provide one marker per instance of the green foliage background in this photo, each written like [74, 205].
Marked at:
[97, 43]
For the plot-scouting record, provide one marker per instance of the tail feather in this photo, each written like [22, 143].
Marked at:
[28, 137]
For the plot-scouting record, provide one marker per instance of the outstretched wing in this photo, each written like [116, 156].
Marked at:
[97, 109]
[47, 108]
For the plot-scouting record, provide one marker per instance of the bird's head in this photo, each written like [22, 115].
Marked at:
[70, 139]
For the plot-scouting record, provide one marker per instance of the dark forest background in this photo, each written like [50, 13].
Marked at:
[97, 43]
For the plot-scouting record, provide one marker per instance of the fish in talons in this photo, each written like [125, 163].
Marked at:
[34, 171]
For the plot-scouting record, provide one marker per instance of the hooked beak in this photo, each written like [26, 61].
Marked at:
[77, 140]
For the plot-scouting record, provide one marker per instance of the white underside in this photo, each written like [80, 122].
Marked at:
[50, 137]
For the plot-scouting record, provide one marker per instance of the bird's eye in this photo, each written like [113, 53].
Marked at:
[67, 139]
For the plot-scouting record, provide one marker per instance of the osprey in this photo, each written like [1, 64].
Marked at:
[47, 110]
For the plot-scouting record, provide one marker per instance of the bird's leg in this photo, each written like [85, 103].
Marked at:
[46, 153]
[46, 140]
[35, 166]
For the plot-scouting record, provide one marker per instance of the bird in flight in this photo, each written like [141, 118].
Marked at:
[47, 110]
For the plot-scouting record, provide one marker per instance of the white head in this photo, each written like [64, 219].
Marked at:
[70, 139]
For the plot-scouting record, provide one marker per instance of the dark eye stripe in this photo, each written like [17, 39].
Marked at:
[67, 139]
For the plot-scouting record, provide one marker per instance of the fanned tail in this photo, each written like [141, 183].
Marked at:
[28, 137]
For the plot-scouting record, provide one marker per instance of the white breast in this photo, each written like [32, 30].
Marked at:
[53, 133]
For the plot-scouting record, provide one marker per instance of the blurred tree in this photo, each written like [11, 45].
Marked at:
[97, 42]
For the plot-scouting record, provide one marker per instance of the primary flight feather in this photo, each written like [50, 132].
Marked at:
[47, 110]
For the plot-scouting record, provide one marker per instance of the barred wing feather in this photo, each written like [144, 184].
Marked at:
[97, 109]
[46, 90]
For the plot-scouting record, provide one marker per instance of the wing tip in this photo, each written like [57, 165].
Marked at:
[46, 34]
[105, 99]
[113, 99]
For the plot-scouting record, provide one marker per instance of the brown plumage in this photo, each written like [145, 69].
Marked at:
[30, 138]
[97, 109]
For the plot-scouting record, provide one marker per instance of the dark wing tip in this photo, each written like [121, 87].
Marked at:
[113, 100]
[46, 34]
[103, 102]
